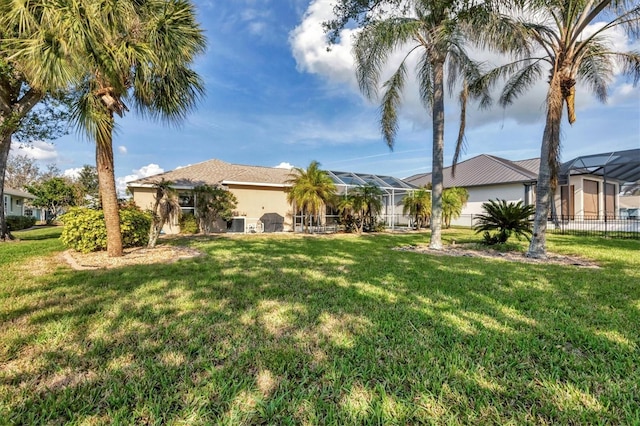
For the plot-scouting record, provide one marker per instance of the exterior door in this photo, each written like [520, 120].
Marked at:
[590, 199]
[567, 198]
[610, 201]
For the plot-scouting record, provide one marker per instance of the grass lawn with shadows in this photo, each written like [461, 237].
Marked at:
[269, 329]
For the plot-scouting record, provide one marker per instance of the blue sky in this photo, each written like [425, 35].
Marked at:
[274, 94]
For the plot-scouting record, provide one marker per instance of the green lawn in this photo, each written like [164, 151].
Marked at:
[321, 330]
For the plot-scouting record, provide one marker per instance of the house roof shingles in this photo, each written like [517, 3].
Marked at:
[18, 193]
[484, 170]
[213, 172]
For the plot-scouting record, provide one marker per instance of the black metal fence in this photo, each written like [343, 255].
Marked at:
[620, 227]
[596, 226]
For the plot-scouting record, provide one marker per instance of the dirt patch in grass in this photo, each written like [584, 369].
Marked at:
[132, 256]
[463, 250]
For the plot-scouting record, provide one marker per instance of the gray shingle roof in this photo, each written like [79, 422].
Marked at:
[214, 172]
[484, 170]
[18, 193]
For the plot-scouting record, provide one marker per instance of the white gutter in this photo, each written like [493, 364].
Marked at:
[273, 185]
[150, 185]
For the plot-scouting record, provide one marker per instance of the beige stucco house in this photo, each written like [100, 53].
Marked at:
[260, 192]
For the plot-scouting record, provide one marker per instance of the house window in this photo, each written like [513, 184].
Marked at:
[6, 199]
[28, 212]
[186, 200]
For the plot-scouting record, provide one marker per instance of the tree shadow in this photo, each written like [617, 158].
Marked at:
[322, 330]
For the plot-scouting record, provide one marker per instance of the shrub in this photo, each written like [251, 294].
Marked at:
[85, 231]
[507, 218]
[16, 223]
[188, 224]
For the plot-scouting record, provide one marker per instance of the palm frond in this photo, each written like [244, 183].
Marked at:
[596, 69]
[373, 46]
[390, 104]
[520, 82]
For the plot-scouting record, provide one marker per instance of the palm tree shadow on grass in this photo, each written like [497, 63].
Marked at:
[324, 330]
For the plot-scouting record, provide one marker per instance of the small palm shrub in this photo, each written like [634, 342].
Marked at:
[507, 218]
[85, 231]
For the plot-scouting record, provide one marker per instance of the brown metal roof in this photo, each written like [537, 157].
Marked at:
[484, 170]
[214, 172]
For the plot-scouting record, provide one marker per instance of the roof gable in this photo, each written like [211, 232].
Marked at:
[18, 193]
[484, 169]
[214, 172]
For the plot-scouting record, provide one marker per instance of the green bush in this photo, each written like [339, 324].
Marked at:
[16, 223]
[85, 231]
[188, 224]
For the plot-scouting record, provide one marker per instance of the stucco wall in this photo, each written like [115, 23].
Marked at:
[267, 204]
[481, 194]
[578, 184]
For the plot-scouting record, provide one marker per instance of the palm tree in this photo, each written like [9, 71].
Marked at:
[311, 189]
[370, 201]
[417, 204]
[453, 200]
[350, 207]
[436, 31]
[22, 83]
[136, 51]
[166, 209]
[569, 45]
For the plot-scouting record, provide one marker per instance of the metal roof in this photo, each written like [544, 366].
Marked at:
[623, 166]
[484, 170]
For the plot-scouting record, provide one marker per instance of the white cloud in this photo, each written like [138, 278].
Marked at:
[284, 165]
[38, 150]
[122, 149]
[72, 173]
[145, 171]
[309, 47]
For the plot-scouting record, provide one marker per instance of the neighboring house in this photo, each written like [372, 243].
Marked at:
[16, 203]
[488, 177]
[580, 193]
[260, 191]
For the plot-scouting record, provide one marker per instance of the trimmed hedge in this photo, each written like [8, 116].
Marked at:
[16, 223]
[85, 231]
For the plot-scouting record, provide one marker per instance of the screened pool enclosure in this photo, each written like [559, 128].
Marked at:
[393, 191]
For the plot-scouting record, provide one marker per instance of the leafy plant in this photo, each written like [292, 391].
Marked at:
[188, 224]
[53, 194]
[507, 218]
[16, 223]
[85, 231]
[213, 203]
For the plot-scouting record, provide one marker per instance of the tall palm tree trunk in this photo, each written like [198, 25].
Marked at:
[108, 193]
[548, 159]
[438, 155]
[5, 146]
